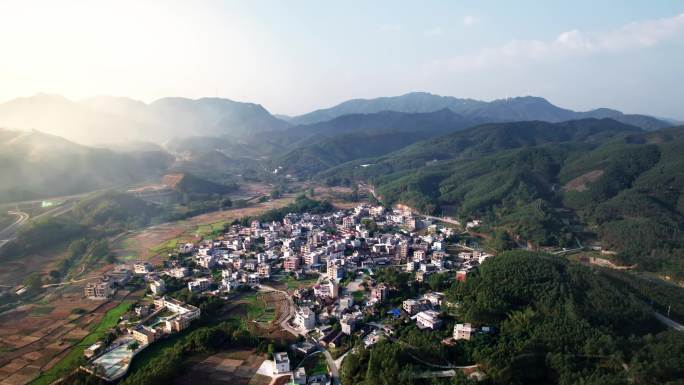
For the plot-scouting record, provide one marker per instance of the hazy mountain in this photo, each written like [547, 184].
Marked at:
[429, 124]
[106, 119]
[35, 165]
[214, 116]
[411, 102]
[503, 110]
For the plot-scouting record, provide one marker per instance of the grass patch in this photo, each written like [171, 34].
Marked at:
[42, 310]
[168, 246]
[358, 295]
[292, 283]
[258, 309]
[316, 364]
[75, 356]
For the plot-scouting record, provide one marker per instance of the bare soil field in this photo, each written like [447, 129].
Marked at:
[237, 367]
[580, 183]
[149, 243]
[35, 337]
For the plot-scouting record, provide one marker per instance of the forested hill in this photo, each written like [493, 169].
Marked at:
[548, 184]
[554, 322]
[316, 147]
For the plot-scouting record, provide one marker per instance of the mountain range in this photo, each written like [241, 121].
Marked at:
[105, 119]
[524, 108]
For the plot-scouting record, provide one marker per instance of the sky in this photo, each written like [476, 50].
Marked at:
[296, 56]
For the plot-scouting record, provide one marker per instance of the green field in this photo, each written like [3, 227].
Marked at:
[166, 247]
[42, 310]
[75, 356]
[213, 229]
[296, 284]
[258, 309]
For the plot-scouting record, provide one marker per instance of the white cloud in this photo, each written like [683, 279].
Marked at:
[470, 20]
[436, 31]
[574, 42]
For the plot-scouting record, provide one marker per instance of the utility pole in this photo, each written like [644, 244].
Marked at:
[668, 310]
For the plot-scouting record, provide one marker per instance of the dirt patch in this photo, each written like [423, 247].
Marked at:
[148, 244]
[36, 340]
[580, 183]
[224, 368]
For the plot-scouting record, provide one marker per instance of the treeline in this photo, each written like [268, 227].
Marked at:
[94, 218]
[302, 204]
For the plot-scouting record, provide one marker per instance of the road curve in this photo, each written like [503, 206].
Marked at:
[669, 322]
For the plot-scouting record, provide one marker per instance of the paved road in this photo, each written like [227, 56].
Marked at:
[669, 322]
[334, 373]
[9, 233]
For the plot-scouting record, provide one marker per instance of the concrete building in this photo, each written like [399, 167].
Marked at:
[428, 319]
[463, 331]
[142, 268]
[379, 293]
[179, 272]
[264, 271]
[199, 285]
[99, 290]
[291, 263]
[411, 306]
[281, 363]
[305, 319]
[158, 286]
[143, 334]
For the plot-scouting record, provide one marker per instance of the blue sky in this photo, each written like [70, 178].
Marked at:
[296, 56]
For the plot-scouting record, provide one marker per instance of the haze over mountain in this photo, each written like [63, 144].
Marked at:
[36, 165]
[502, 110]
[106, 119]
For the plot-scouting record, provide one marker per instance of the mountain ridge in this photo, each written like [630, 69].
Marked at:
[523, 108]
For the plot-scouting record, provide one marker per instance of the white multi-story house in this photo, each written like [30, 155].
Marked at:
[428, 319]
[179, 272]
[199, 285]
[229, 284]
[158, 286]
[142, 268]
[463, 331]
[207, 261]
[305, 318]
[251, 280]
[281, 363]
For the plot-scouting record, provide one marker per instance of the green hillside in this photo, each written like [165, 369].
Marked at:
[535, 180]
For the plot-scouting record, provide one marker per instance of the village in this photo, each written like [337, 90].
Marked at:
[341, 257]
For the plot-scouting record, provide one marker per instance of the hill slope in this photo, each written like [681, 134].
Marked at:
[534, 180]
[35, 165]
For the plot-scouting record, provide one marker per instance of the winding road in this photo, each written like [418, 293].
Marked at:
[10, 232]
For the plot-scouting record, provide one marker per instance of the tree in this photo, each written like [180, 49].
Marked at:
[133, 346]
